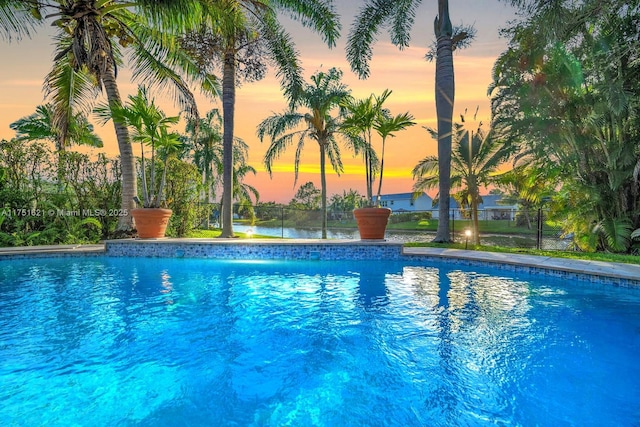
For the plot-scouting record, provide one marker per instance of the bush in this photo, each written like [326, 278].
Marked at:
[181, 193]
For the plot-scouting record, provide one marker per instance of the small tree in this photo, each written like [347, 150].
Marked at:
[475, 157]
[320, 98]
[363, 117]
[308, 196]
[150, 127]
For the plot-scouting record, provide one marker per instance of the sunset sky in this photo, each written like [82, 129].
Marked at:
[406, 73]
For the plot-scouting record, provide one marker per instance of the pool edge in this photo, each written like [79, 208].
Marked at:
[313, 249]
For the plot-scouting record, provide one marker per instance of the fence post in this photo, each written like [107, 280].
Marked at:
[539, 234]
[453, 225]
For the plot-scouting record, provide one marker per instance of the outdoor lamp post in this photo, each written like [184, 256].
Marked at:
[467, 234]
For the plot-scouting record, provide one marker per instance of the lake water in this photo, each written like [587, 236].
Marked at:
[399, 236]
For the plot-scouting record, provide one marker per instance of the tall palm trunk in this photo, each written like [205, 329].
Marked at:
[381, 172]
[228, 105]
[323, 187]
[60, 152]
[445, 92]
[369, 167]
[475, 202]
[127, 160]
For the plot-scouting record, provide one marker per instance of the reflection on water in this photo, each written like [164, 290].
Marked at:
[316, 233]
[398, 236]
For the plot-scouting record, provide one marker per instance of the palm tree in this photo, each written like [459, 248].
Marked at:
[445, 93]
[205, 143]
[386, 126]
[475, 157]
[359, 122]
[398, 17]
[241, 35]
[40, 126]
[320, 98]
[150, 127]
[243, 193]
[526, 186]
[89, 35]
[363, 116]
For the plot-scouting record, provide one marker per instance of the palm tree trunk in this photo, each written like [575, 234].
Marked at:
[476, 223]
[323, 188]
[445, 92]
[143, 172]
[228, 106]
[60, 149]
[127, 160]
[369, 174]
[381, 172]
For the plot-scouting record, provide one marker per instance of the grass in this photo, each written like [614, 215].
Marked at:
[588, 256]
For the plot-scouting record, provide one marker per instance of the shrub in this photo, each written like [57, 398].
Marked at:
[181, 192]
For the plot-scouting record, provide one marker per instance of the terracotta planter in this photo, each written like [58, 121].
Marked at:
[151, 223]
[372, 222]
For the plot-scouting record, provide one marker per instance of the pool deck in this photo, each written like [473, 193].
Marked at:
[52, 249]
[593, 268]
[628, 272]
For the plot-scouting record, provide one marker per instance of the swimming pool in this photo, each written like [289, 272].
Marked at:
[138, 341]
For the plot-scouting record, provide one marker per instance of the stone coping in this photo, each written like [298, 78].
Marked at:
[257, 249]
[628, 274]
[601, 269]
[258, 242]
[52, 250]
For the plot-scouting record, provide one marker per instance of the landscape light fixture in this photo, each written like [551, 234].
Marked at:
[467, 234]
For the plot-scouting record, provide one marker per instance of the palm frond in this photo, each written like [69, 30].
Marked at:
[402, 21]
[333, 153]
[277, 124]
[177, 16]
[278, 146]
[362, 35]
[316, 14]
[19, 18]
[284, 56]
[616, 232]
[70, 91]
[426, 167]
[151, 62]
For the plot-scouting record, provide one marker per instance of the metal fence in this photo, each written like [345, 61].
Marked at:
[510, 228]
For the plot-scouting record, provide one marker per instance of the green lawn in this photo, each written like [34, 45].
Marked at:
[589, 256]
[458, 226]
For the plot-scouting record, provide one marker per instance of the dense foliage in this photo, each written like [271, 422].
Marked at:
[53, 197]
[566, 95]
[39, 210]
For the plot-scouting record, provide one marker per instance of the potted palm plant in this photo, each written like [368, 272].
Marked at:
[150, 127]
[364, 117]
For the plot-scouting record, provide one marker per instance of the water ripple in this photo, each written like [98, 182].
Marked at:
[205, 342]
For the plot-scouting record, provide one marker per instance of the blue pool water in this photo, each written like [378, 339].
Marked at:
[183, 342]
